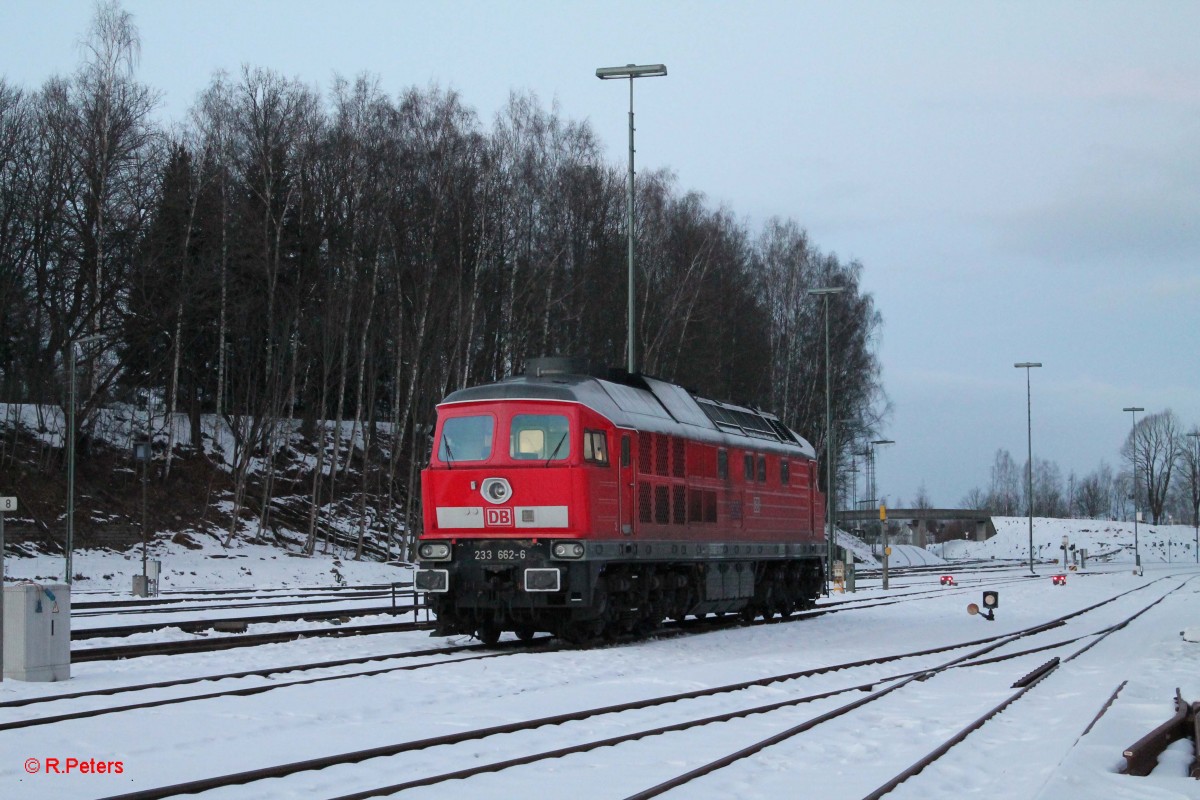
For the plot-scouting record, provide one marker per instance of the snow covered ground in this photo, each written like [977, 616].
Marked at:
[1036, 748]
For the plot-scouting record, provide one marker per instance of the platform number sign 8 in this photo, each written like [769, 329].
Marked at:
[8, 504]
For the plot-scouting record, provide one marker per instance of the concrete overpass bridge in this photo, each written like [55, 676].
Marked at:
[919, 519]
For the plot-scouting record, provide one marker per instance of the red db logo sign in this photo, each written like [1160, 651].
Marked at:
[498, 517]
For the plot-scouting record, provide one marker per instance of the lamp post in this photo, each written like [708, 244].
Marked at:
[631, 71]
[1027, 365]
[1137, 553]
[831, 445]
[71, 454]
[882, 520]
[1195, 468]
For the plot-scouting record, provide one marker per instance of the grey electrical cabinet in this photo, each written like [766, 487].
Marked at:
[37, 632]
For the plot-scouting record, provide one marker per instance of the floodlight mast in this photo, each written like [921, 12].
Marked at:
[1137, 554]
[830, 445]
[631, 71]
[68, 567]
[1028, 365]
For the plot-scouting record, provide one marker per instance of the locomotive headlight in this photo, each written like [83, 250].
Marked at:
[434, 551]
[568, 550]
[495, 490]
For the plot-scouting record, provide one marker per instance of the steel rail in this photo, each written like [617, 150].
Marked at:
[236, 641]
[195, 626]
[175, 606]
[1023, 686]
[916, 768]
[322, 762]
[169, 597]
[248, 691]
[263, 672]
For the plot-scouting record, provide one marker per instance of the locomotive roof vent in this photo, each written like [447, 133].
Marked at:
[554, 366]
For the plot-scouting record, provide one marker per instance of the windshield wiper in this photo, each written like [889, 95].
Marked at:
[562, 439]
[449, 451]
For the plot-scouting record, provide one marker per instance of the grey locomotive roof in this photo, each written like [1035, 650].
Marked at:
[658, 407]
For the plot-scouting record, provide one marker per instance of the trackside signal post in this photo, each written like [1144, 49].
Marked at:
[6, 504]
[887, 551]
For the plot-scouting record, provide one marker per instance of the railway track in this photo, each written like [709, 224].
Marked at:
[1022, 686]
[178, 596]
[231, 642]
[507, 648]
[185, 609]
[198, 625]
[864, 690]
[79, 655]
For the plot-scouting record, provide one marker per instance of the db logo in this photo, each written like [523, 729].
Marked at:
[498, 517]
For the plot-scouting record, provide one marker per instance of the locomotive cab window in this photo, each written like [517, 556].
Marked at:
[466, 439]
[539, 437]
[595, 447]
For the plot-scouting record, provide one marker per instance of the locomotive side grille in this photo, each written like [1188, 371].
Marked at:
[679, 504]
[661, 451]
[645, 453]
[662, 505]
[678, 457]
[645, 506]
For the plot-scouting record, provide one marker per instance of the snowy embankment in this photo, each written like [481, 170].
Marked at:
[1105, 541]
[239, 566]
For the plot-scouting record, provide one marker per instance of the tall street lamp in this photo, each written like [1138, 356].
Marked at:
[71, 454]
[631, 71]
[1196, 466]
[882, 521]
[831, 445]
[1137, 554]
[1027, 365]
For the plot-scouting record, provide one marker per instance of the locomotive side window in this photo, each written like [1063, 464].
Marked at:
[785, 472]
[723, 465]
[595, 447]
[466, 439]
[539, 437]
[762, 469]
[625, 456]
[748, 463]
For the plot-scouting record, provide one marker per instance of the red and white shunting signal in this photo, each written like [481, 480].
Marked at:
[1059, 580]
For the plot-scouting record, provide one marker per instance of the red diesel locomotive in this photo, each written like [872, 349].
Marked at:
[591, 506]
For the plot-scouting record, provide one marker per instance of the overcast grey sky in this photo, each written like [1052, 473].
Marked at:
[1021, 180]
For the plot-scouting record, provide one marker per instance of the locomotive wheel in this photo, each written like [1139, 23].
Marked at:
[488, 633]
[525, 633]
[581, 634]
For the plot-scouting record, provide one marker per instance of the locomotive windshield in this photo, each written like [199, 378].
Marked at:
[539, 437]
[466, 439]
